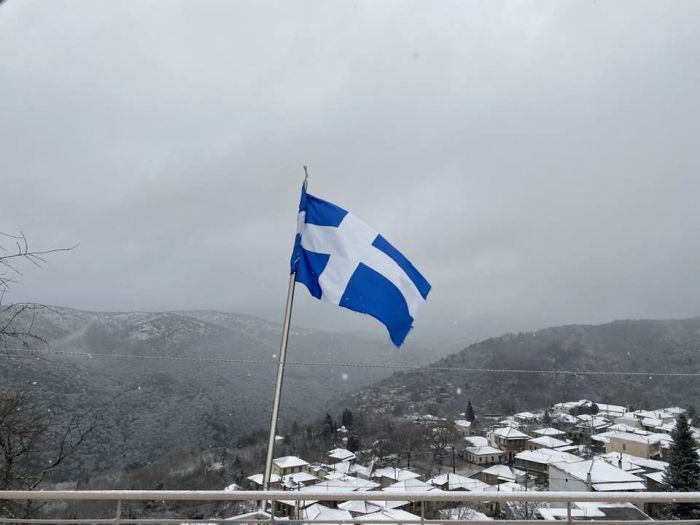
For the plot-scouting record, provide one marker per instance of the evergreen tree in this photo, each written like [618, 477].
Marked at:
[346, 419]
[546, 418]
[328, 428]
[593, 409]
[353, 444]
[469, 414]
[683, 471]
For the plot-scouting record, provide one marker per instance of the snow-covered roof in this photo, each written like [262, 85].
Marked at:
[397, 474]
[463, 423]
[503, 472]
[342, 454]
[546, 456]
[549, 431]
[602, 473]
[510, 433]
[360, 507]
[409, 485]
[484, 451]
[463, 514]
[611, 408]
[258, 479]
[630, 462]
[622, 427]
[526, 415]
[655, 476]
[549, 442]
[477, 441]
[451, 481]
[627, 436]
[359, 483]
[322, 513]
[356, 468]
[388, 516]
[342, 467]
[619, 487]
[510, 486]
[292, 480]
[289, 462]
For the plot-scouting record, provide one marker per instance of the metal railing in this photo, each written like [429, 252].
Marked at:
[437, 496]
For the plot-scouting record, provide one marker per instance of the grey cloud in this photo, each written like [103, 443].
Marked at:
[536, 160]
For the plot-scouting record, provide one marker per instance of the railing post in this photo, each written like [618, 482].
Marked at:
[118, 516]
[568, 512]
[422, 512]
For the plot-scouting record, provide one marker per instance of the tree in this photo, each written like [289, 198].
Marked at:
[32, 445]
[353, 444]
[17, 319]
[683, 471]
[691, 415]
[546, 418]
[593, 409]
[328, 428]
[346, 419]
[469, 414]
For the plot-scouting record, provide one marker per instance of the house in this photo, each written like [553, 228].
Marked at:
[463, 426]
[318, 512]
[288, 465]
[611, 411]
[389, 475]
[536, 462]
[394, 516]
[588, 426]
[476, 441]
[509, 440]
[257, 481]
[549, 431]
[360, 508]
[593, 475]
[566, 408]
[485, 455]
[633, 464]
[498, 474]
[546, 442]
[592, 511]
[340, 454]
[634, 444]
[451, 481]
[525, 417]
[299, 479]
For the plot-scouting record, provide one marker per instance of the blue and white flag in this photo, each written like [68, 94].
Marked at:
[343, 261]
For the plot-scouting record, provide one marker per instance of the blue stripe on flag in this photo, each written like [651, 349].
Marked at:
[322, 213]
[309, 266]
[369, 292]
[423, 286]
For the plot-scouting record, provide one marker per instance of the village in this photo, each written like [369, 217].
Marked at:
[576, 446]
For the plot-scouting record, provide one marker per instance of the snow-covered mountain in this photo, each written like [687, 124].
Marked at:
[169, 382]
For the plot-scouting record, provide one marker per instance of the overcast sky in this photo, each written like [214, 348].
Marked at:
[537, 161]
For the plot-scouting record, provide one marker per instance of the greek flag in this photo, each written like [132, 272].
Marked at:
[343, 261]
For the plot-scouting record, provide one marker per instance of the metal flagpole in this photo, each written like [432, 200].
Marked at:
[280, 370]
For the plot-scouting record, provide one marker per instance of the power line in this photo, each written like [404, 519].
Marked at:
[260, 362]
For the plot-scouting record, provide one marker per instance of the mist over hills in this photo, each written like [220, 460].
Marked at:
[184, 381]
[642, 347]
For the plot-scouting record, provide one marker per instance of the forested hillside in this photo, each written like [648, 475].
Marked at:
[586, 357]
[181, 382]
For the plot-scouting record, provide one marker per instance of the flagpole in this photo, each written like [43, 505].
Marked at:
[280, 370]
